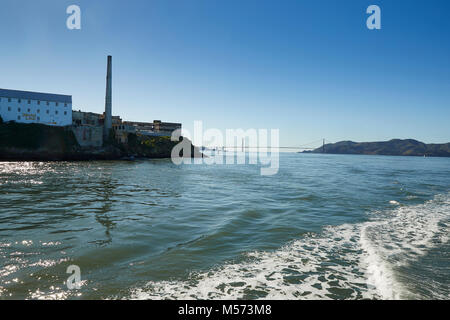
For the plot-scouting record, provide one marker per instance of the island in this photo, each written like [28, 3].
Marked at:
[37, 142]
[394, 147]
[44, 127]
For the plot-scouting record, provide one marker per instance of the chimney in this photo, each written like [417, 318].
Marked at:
[108, 100]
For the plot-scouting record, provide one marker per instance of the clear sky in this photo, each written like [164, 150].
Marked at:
[309, 68]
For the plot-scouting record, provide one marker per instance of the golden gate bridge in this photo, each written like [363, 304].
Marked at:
[313, 145]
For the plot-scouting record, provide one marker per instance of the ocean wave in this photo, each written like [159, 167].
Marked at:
[351, 261]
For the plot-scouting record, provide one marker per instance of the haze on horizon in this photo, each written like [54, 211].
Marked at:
[309, 68]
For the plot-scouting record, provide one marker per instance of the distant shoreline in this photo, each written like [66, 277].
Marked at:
[395, 147]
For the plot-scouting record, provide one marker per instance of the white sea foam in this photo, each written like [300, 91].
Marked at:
[347, 261]
[402, 236]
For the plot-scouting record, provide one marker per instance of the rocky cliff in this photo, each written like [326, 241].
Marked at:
[35, 142]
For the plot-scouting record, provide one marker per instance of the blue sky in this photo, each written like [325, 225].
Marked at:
[310, 68]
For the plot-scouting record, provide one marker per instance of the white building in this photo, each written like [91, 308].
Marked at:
[35, 107]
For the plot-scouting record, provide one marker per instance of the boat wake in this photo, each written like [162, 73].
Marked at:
[351, 261]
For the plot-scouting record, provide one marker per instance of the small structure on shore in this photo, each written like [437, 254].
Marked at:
[88, 128]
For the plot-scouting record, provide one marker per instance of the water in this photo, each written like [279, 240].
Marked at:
[325, 227]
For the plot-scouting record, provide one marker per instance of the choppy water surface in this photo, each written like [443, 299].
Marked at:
[327, 227]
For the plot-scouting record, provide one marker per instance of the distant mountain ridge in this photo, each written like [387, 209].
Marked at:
[395, 147]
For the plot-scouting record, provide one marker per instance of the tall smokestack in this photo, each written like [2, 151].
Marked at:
[108, 100]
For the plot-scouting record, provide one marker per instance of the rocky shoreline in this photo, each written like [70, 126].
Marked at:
[32, 142]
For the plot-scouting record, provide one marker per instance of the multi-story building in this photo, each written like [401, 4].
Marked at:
[166, 127]
[35, 107]
[80, 118]
[156, 128]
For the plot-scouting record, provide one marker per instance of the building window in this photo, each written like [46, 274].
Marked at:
[9, 99]
[65, 113]
[18, 109]
[39, 118]
[29, 110]
[56, 112]
[29, 101]
[38, 110]
[39, 102]
[65, 104]
[48, 103]
[9, 108]
[19, 100]
[56, 103]
[48, 111]
[18, 117]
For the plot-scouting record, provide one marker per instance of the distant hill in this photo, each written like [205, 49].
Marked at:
[395, 147]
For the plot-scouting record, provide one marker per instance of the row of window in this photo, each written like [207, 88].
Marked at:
[38, 102]
[38, 111]
[19, 117]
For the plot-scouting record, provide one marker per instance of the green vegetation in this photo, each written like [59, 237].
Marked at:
[153, 147]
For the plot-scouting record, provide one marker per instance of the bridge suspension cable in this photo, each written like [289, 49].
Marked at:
[306, 146]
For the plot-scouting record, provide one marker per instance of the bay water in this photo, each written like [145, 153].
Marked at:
[324, 227]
